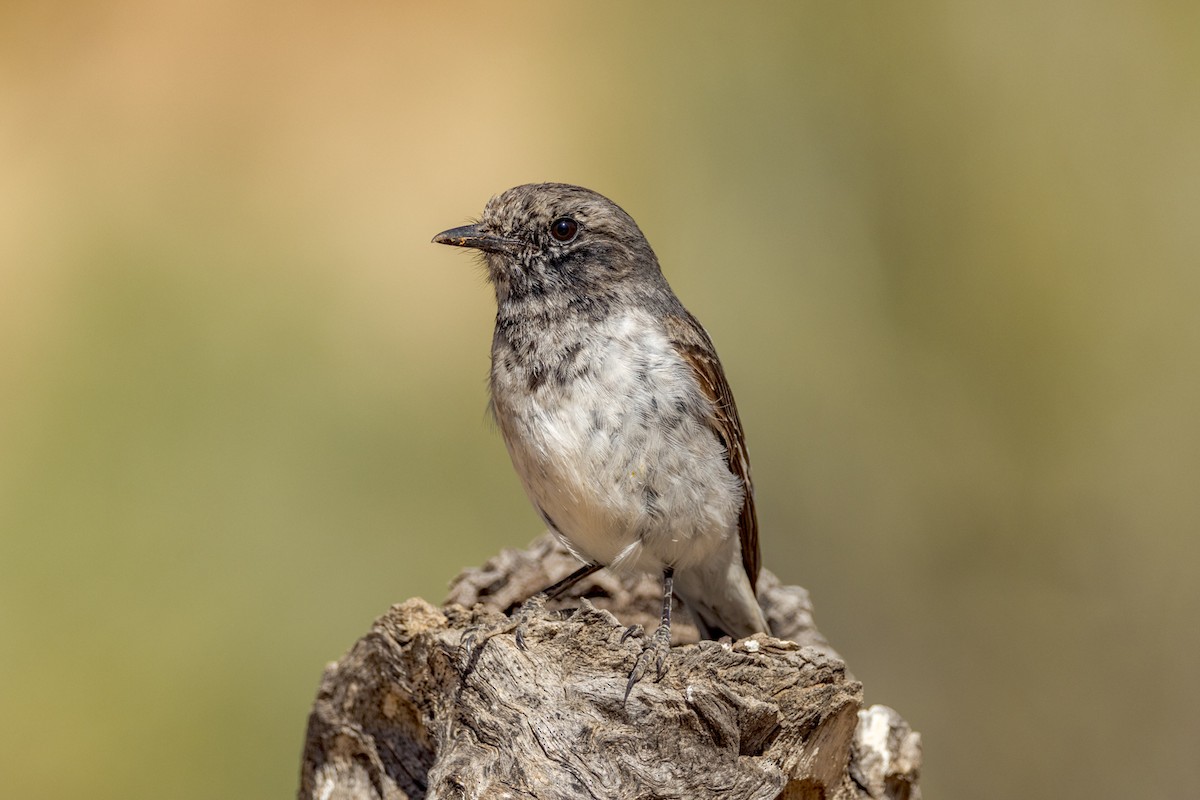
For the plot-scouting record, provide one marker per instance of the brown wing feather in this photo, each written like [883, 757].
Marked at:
[693, 344]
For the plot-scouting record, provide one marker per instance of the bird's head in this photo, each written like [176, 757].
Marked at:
[548, 238]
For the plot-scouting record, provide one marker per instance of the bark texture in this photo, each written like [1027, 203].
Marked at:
[408, 713]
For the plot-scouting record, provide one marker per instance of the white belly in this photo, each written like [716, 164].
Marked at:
[619, 461]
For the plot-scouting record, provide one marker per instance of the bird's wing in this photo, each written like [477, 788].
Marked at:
[693, 345]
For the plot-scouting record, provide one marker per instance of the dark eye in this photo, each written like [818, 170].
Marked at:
[564, 229]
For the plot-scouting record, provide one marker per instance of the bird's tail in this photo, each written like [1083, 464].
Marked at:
[718, 594]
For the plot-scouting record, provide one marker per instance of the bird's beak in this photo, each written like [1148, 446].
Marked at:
[475, 236]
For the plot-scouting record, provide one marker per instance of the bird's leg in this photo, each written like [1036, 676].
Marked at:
[555, 589]
[537, 603]
[474, 639]
[657, 648]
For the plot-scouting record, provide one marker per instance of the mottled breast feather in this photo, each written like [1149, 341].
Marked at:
[696, 348]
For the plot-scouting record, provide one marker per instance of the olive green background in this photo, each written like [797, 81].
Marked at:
[949, 252]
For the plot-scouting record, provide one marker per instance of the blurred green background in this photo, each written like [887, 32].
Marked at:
[948, 251]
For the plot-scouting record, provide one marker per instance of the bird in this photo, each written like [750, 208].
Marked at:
[615, 408]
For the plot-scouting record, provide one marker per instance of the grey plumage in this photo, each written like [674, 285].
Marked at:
[612, 401]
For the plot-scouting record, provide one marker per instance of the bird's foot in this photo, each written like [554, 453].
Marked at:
[526, 611]
[655, 651]
[476, 637]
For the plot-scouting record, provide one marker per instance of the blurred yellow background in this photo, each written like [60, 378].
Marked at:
[948, 253]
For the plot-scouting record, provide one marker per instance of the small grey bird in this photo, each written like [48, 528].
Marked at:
[614, 405]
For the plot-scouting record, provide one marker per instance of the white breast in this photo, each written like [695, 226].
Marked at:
[620, 461]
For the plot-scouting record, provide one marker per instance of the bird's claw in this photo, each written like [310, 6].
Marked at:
[632, 630]
[476, 637]
[471, 644]
[525, 612]
[655, 650]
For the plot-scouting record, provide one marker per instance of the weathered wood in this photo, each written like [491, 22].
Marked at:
[406, 714]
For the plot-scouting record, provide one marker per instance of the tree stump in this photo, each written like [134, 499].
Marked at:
[406, 714]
